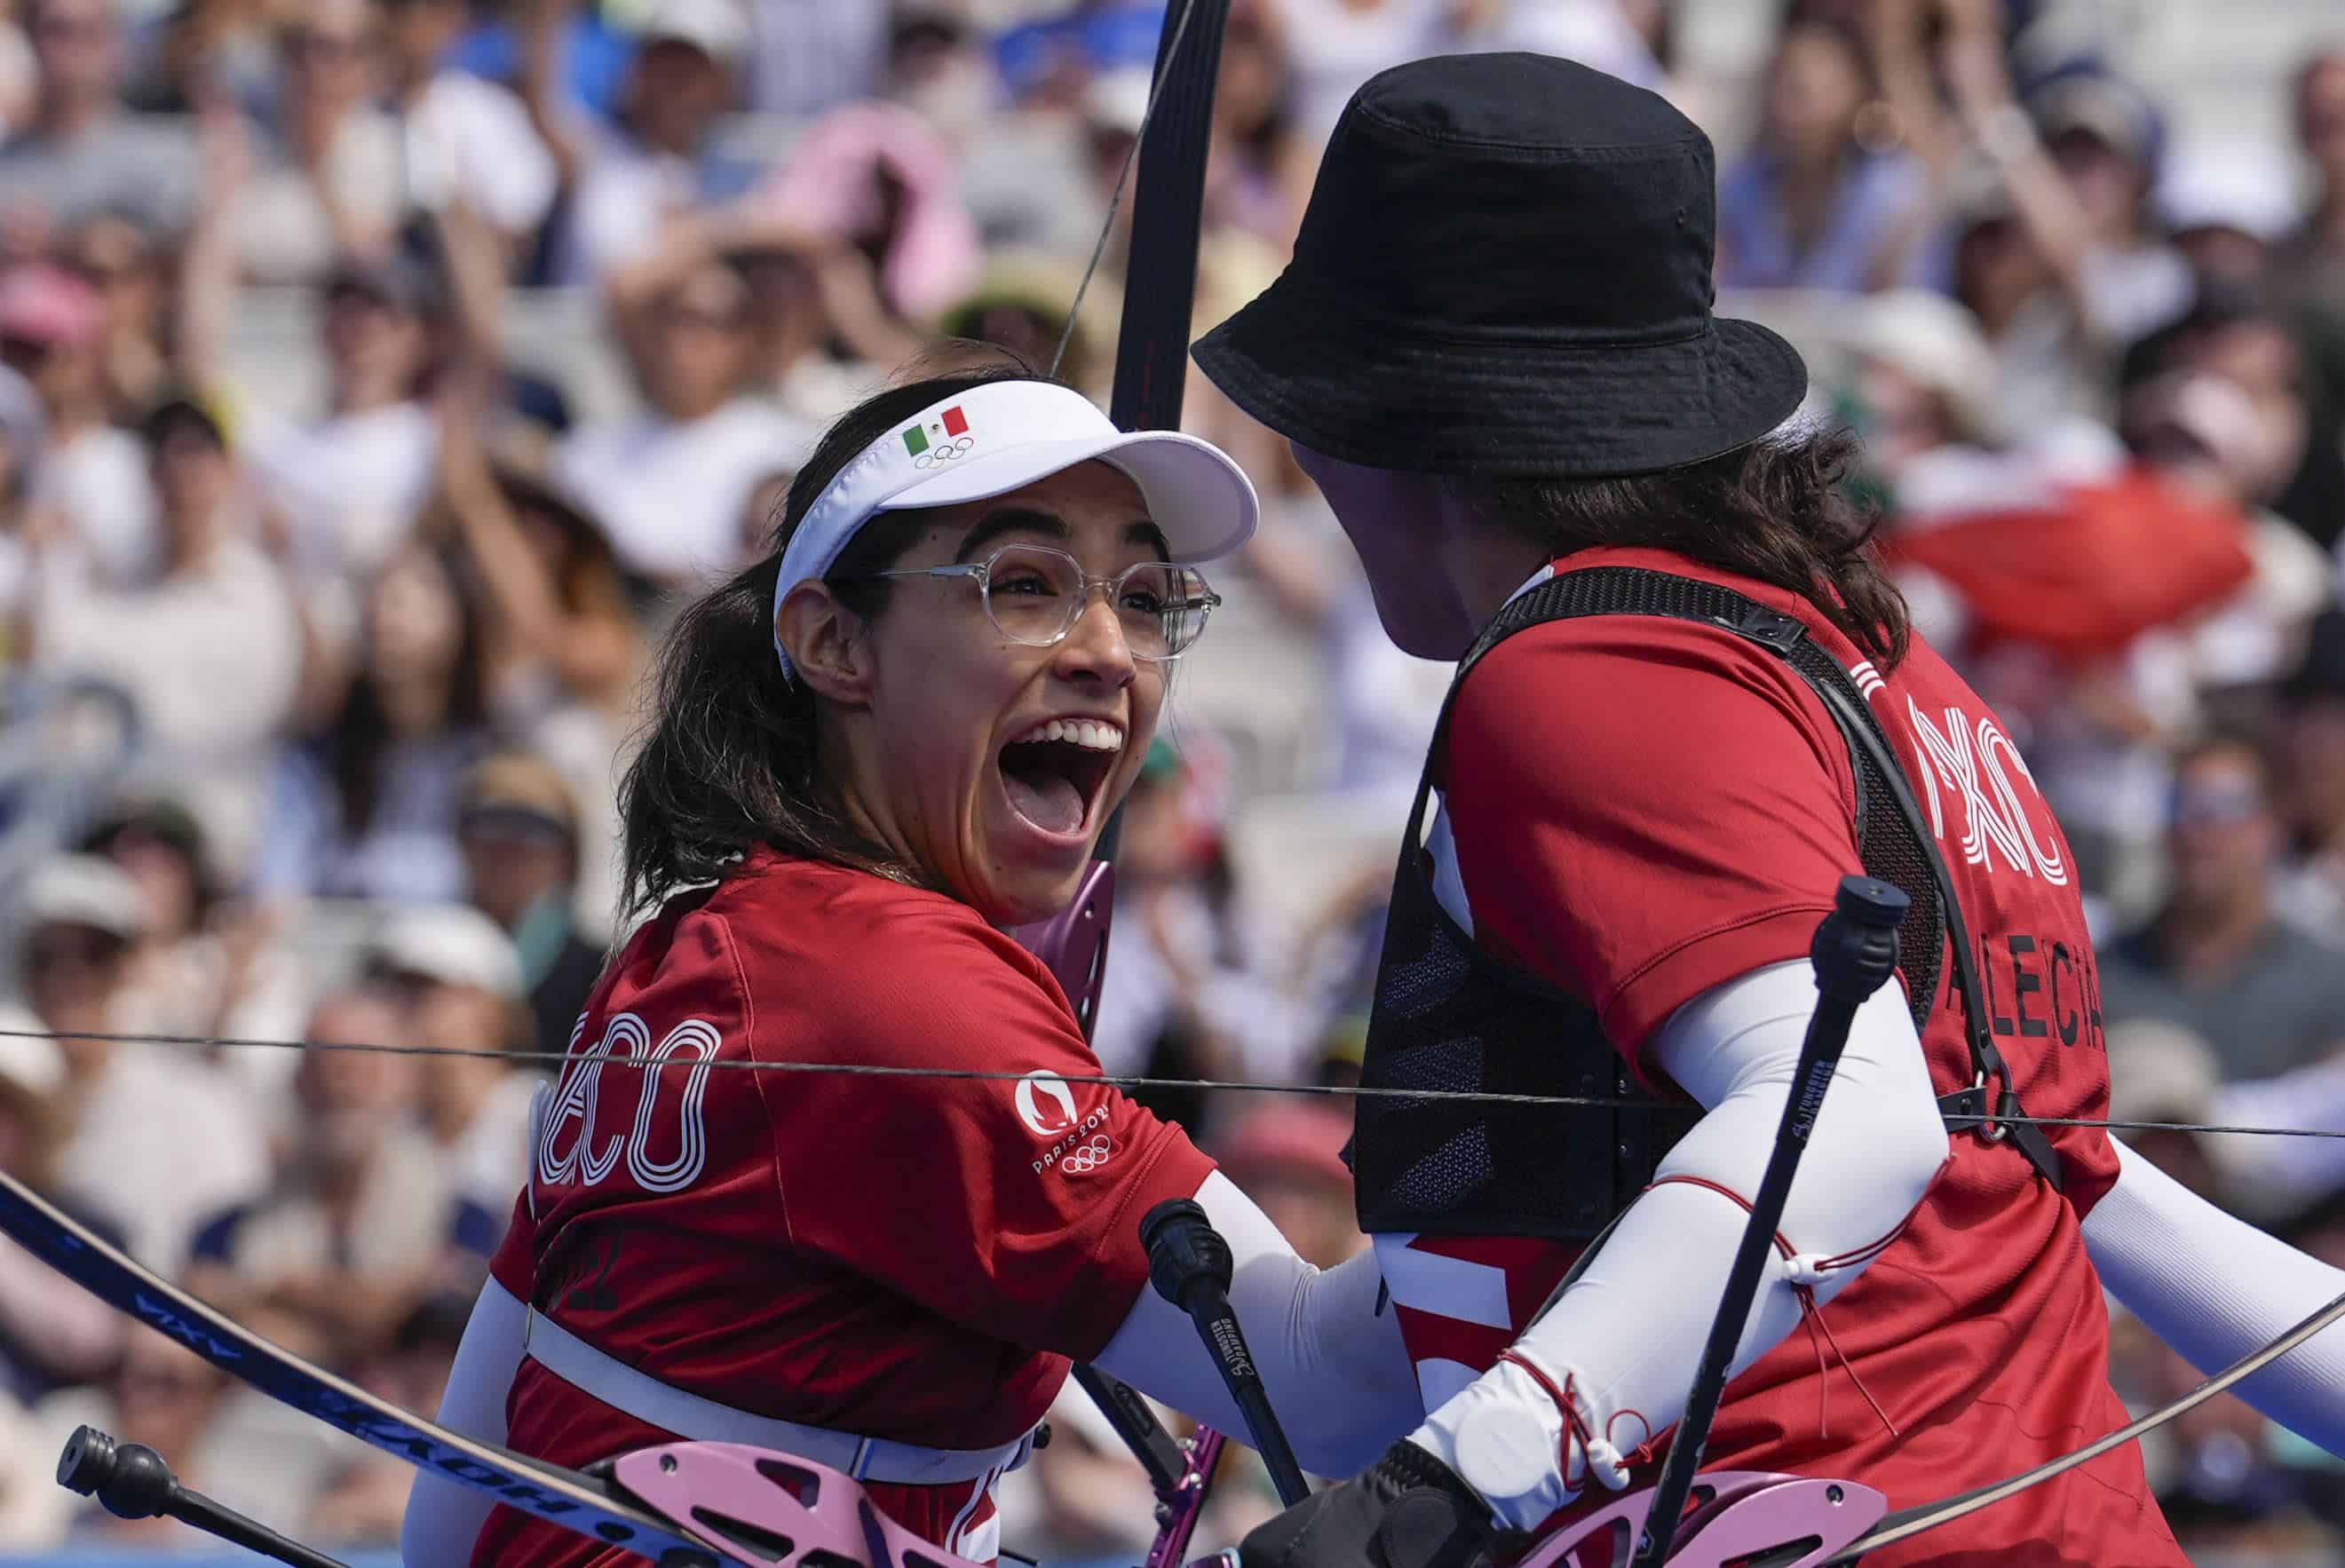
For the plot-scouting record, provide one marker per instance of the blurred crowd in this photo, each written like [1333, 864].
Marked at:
[377, 375]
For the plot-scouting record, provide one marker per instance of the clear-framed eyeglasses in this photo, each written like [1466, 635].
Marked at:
[1033, 595]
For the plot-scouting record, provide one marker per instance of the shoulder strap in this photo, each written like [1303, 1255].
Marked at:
[1634, 591]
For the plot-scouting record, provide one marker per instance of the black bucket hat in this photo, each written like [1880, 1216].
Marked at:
[1505, 269]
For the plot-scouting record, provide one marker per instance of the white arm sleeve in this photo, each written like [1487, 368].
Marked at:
[1627, 1335]
[444, 1519]
[2215, 1288]
[1333, 1365]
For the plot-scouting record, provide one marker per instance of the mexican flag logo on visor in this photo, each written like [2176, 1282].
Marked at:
[940, 433]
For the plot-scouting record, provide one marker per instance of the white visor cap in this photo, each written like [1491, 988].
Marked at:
[1003, 436]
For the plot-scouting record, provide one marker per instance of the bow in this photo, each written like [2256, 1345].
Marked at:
[1152, 359]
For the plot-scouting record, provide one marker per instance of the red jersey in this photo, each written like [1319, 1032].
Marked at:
[905, 1258]
[1643, 808]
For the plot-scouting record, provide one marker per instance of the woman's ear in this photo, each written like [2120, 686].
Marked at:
[826, 643]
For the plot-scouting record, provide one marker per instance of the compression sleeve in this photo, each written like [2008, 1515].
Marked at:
[2215, 1288]
[1622, 1339]
[1331, 1361]
[444, 1519]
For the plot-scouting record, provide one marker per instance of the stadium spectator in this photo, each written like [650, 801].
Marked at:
[460, 978]
[356, 1222]
[350, 485]
[80, 917]
[91, 474]
[1814, 206]
[464, 139]
[2314, 256]
[52, 1334]
[367, 808]
[657, 160]
[82, 153]
[218, 617]
[124, 264]
[330, 184]
[670, 483]
[2217, 958]
[208, 965]
[518, 826]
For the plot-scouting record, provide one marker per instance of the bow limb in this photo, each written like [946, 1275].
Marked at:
[1911, 1521]
[1151, 374]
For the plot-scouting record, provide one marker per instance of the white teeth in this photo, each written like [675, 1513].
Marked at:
[1091, 735]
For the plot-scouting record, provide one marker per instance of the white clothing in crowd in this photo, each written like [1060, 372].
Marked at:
[351, 485]
[161, 1146]
[225, 626]
[471, 138]
[671, 495]
[97, 479]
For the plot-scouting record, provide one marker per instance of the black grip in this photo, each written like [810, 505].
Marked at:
[1855, 949]
[1188, 1263]
[1184, 1251]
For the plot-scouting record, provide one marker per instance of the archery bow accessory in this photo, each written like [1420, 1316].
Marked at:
[1855, 952]
[132, 1480]
[1188, 1263]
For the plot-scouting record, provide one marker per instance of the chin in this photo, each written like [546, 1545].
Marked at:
[1420, 638]
[1031, 899]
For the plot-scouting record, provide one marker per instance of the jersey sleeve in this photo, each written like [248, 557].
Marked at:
[1643, 809]
[1012, 1204]
[514, 1264]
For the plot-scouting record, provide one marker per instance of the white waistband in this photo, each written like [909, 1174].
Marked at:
[689, 1416]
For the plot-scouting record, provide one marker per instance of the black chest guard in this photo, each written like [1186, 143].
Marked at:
[1449, 1015]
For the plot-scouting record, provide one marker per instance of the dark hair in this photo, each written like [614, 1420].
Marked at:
[357, 742]
[1775, 510]
[728, 761]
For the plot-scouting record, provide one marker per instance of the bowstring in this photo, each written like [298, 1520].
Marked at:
[1109, 1081]
[1122, 179]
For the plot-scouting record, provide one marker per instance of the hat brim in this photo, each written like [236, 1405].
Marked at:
[1199, 497]
[1383, 399]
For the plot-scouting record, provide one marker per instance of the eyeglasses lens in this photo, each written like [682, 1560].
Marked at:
[1034, 595]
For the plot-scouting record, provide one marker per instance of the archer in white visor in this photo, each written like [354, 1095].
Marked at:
[976, 616]
[890, 1273]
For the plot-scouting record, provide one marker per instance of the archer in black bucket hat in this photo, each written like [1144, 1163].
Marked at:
[1506, 268]
[1685, 687]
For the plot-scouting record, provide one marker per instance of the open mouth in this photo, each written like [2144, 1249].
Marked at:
[1055, 772]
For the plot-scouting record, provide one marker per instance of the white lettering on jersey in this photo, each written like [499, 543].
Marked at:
[1968, 760]
[675, 1174]
[579, 1099]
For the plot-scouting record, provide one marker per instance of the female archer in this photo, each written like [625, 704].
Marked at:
[1687, 704]
[899, 733]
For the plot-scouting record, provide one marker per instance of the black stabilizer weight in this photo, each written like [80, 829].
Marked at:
[130, 1480]
[1184, 1251]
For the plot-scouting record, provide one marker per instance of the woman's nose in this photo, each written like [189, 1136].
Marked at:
[1094, 647]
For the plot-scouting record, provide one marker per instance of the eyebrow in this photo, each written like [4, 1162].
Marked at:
[1031, 520]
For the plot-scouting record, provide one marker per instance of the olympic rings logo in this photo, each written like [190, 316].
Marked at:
[1089, 1157]
[945, 452]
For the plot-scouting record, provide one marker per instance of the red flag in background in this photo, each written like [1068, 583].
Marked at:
[2082, 575]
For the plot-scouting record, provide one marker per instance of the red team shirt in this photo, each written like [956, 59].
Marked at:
[911, 1258]
[1643, 808]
